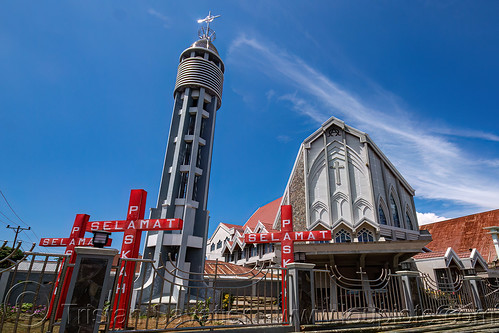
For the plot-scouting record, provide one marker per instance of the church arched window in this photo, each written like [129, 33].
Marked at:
[395, 212]
[382, 216]
[342, 236]
[365, 235]
[212, 247]
[408, 221]
[219, 244]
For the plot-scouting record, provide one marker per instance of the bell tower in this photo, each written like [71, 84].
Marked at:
[184, 185]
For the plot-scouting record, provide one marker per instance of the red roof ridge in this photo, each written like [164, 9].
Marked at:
[236, 226]
[264, 214]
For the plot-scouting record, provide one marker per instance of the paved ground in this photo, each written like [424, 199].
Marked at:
[474, 322]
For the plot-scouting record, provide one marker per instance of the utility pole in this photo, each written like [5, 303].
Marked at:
[17, 230]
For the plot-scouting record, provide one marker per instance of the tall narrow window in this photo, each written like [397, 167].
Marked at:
[183, 185]
[395, 213]
[382, 217]
[408, 221]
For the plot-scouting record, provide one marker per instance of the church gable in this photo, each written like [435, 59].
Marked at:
[341, 177]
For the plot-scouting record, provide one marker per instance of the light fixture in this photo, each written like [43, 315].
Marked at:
[100, 238]
[406, 265]
[300, 257]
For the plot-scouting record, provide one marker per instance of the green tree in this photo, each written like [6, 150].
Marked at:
[5, 252]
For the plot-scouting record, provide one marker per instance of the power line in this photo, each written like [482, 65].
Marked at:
[2, 221]
[7, 218]
[20, 219]
[12, 209]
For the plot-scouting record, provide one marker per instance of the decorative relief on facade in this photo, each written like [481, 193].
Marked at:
[333, 133]
[317, 179]
[319, 213]
[362, 210]
[340, 208]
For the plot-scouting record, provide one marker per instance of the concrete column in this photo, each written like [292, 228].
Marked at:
[87, 290]
[301, 294]
[410, 290]
[475, 292]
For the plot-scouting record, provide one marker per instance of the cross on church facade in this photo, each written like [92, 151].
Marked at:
[76, 238]
[132, 228]
[287, 237]
[336, 167]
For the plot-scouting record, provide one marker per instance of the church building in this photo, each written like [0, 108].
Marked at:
[341, 181]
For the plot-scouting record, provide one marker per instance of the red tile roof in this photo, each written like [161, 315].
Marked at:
[428, 255]
[464, 233]
[235, 226]
[265, 214]
[226, 268]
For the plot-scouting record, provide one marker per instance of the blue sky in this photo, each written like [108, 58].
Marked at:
[86, 93]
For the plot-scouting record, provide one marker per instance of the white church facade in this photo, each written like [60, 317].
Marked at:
[341, 181]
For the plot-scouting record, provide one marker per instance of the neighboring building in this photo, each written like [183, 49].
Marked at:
[465, 233]
[227, 242]
[341, 181]
[446, 267]
[186, 172]
[223, 234]
[460, 246]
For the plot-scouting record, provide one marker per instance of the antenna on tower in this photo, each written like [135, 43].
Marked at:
[206, 32]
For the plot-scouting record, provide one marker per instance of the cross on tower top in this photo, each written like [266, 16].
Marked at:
[206, 32]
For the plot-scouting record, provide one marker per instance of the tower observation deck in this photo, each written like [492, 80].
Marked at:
[184, 185]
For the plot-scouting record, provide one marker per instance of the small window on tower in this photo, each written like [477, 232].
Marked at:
[192, 123]
[203, 125]
[195, 188]
[182, 191]
[187, 153]
[198, 161]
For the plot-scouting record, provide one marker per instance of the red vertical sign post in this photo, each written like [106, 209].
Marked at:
[287, 237]
[76, 238]
[129, 249]
[132, 228]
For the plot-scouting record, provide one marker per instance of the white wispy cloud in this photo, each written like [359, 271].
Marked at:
[434, 165]
[162, 17]
[427, 218]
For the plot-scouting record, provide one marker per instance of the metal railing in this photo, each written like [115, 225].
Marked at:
[442, 298]
[338, 297]
[169, 298]
[27, 286]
